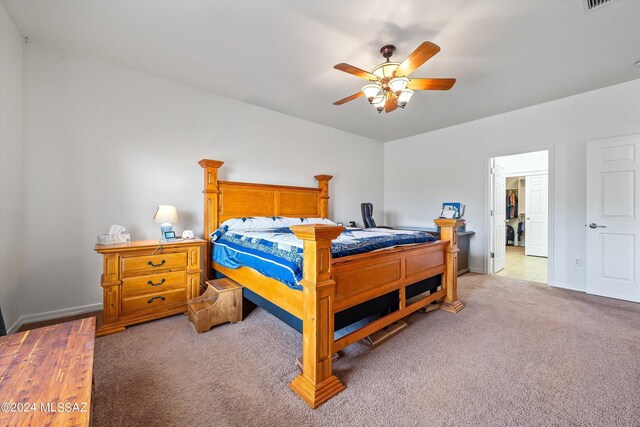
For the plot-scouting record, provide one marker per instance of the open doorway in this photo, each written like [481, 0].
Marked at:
[520, 216]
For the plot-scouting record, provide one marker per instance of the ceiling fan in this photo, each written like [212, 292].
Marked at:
[390, 87]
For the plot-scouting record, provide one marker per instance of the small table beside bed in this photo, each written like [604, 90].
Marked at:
[277, 242]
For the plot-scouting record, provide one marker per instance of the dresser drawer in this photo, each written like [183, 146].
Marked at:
[148, 263]
[154, 283]
[153, 302]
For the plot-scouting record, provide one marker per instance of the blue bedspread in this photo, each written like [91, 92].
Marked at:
[277, 252]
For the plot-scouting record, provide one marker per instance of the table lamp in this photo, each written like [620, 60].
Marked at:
[166, 215]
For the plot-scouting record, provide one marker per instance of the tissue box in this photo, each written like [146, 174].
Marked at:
[113, 239]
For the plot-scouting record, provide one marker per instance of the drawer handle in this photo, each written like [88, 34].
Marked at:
[156, 284]
[151, 300]
[156, 265]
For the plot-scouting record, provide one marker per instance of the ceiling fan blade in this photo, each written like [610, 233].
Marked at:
[349, 98]
[418, 57]
[431, 84]
[391, 103]
[355, 71]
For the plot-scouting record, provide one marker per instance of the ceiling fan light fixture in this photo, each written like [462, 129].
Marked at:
[372, 92]
[404, 97]
[398, 84]
[385, 69]
[379, 103]
[389, 84]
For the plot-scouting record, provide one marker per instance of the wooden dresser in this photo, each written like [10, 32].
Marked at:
[46, 375]
[144, 281]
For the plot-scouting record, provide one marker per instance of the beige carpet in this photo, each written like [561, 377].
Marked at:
[520, 353]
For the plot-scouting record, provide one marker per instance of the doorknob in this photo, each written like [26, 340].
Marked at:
[594, 225]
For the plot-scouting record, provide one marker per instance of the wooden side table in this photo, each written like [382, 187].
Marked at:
[146, 280]
[463, 255]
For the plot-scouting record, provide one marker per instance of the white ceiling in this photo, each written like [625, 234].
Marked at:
[506, 54]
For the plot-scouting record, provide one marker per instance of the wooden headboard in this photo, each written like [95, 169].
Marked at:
[224, 199]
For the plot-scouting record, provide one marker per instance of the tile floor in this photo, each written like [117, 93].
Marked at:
[520, 266]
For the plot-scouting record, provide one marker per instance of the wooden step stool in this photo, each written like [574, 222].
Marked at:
[220, 303]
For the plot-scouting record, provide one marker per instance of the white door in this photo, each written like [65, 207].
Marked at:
[536, 210]
[613, 228]
[499, 240]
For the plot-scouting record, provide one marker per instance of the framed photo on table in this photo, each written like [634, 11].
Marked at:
[452, 210]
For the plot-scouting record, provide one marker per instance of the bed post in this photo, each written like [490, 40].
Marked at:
[211, 206]
[449, 231]
[323, 184]
[317, 384]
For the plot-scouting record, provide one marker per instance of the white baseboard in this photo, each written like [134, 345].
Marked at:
[565, 286]
[16, 325]
[47, 315]
[476, 270]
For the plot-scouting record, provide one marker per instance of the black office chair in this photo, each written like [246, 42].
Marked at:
[367, 216]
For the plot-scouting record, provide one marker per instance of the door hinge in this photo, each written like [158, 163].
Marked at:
[491, 212]
[492, 255]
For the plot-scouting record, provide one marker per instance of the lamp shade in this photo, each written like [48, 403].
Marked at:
[379, 103]
[398, 84]
[372, 91]
[404, 97]
[166, 213]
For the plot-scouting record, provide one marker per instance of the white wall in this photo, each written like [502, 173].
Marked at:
[104, 144]
[526, 163]
[11, 43]
[449, 165]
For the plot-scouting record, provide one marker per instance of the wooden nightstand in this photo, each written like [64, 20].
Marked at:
[143, 281]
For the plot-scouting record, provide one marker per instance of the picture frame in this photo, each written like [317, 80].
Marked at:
[448, 213]
[457, 207]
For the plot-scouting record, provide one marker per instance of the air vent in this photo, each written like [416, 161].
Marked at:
[590, 5]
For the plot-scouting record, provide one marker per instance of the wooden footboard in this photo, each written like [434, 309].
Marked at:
[329, 286]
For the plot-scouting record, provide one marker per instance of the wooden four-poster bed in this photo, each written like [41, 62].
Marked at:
[330, 286]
